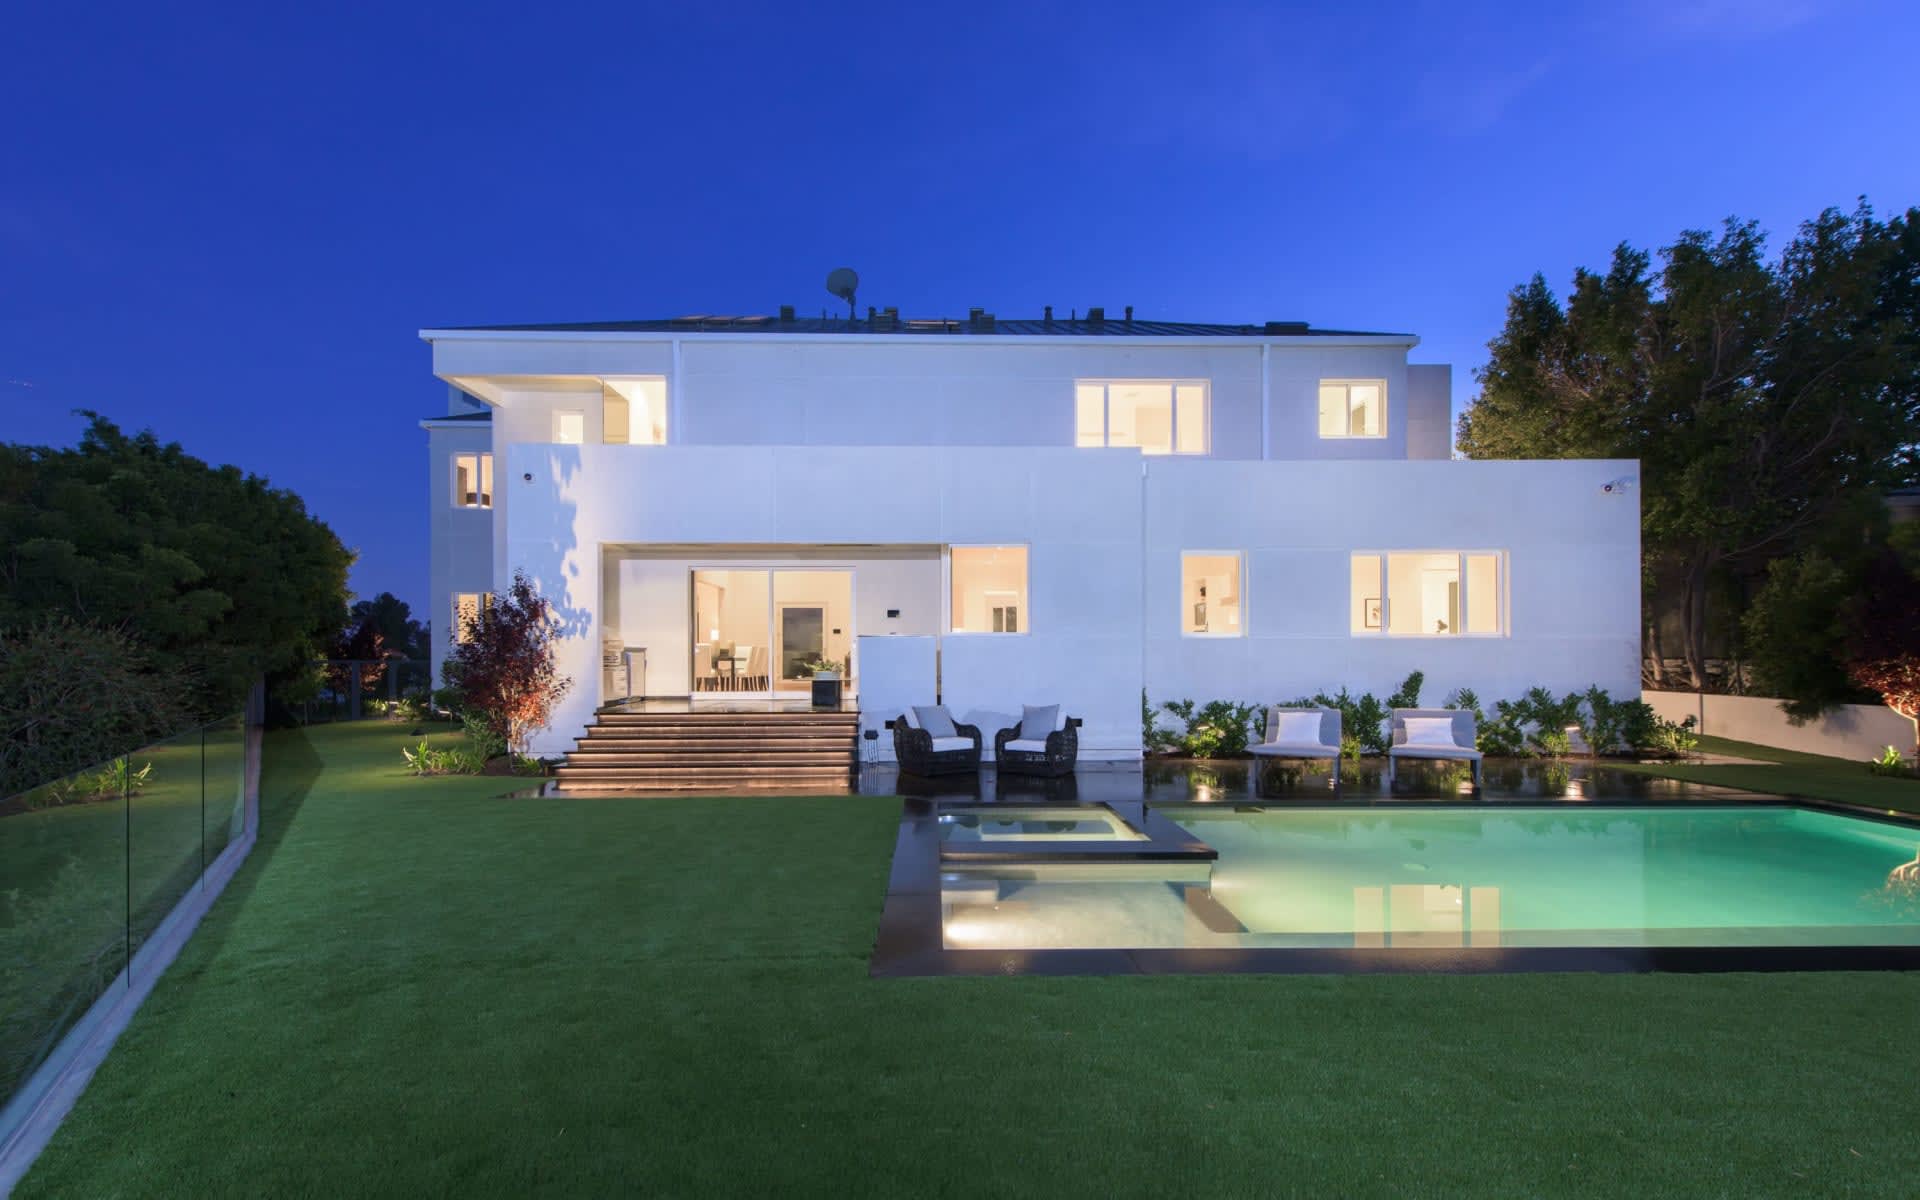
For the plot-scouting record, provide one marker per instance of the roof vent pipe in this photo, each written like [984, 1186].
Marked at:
[1129, 314]
[1097, 315]
[1049, 317]
[786, 313]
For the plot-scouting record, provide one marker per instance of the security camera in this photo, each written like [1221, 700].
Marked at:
[1614, 487]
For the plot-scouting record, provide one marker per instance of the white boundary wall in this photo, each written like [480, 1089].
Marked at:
[1853, 731]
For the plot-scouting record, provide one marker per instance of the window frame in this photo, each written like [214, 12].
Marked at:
[946, 562]
[1349, 385]
[1502, 588]
[1106, 386]
[1240, 566]
[483, 472]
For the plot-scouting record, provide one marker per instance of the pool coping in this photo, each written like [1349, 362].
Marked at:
[910, 939]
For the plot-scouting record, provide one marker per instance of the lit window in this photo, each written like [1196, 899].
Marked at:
[570, 427]
[1353, 408]
[634, 411]
[467, 607]
[989, 589]
[1210, 588]
[473, 481]
[1158, 416]
[1429, 593]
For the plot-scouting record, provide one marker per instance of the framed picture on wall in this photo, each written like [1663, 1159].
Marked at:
[1370, 612]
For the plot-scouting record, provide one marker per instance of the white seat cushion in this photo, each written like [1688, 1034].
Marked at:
[1429, 731]
[1296, 729]
[941, 744]
[1296, 750]
[1029, 745]
[1409, 750]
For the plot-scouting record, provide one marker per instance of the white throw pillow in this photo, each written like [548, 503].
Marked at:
[1036, 721]
[912, 721]
[1298, 729]
[1429, 731]
[935, 719]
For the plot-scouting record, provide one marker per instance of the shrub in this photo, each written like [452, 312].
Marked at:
[72, 694]
[425, 759]
[1892, 762]
[1153, 738]
[1673, 738]
[116, 779]
[503, 669]
[1409, 694]
[1218, 729]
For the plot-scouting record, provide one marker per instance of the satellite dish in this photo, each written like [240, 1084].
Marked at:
[842, 282]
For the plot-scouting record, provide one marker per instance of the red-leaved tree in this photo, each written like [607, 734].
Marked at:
[1884, 643]
[504, 670]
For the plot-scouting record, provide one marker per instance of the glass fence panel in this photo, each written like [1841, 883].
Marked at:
[163, 860]
[225, 762]
[63, 910]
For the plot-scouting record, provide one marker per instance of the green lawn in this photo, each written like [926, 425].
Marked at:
[416, 989]
[1792, 773]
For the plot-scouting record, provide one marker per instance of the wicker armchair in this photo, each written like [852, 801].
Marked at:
[914, 749]
[1015, 756]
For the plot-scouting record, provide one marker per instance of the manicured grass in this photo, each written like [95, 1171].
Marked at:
[1792, 773]
[415, 989]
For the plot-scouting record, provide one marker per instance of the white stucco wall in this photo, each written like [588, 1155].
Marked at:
[1076, 511]
[460, 540]
[1573, 558]
[1855, 731]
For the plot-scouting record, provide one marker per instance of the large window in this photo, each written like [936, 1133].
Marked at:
[634, 412]
[473, 481]
[467, 607]
[1353, 408]
[989, 589]
[1210, 594]
[1158, 416]
[1429, 593]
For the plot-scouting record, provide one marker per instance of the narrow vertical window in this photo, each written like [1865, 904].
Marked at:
[569, 427]
[473, 481]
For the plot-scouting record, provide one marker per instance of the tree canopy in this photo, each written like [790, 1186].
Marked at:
[217, 575]
[1770, 402]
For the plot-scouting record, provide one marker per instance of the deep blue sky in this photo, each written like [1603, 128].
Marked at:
[230, 224]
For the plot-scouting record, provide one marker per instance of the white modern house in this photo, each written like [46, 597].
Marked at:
[995, 512]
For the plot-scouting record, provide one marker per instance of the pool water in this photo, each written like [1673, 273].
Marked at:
[1003, 823]
[1473, 877]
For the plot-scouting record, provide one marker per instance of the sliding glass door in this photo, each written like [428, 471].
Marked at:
[764, 632]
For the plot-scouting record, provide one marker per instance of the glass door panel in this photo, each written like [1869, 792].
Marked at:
[731, 620]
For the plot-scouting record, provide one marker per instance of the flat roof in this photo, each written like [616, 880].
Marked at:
[985, 325]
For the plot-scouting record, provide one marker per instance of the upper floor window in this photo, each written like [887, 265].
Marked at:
[1210, 594]
[473, 481]
[1429, 593]
[1160, 416]
[569, 427]
[1353, 408]
[634, 412]
[989, 589]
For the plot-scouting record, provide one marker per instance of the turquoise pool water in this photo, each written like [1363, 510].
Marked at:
[1475, 876]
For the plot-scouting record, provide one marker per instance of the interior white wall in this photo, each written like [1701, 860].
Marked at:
[1573, 575]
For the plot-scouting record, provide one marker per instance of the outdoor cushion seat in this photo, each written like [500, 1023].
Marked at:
[919, 752]
[1283, 720]
[1017, 752]
[1465, 739]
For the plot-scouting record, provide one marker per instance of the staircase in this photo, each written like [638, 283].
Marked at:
[797, 751]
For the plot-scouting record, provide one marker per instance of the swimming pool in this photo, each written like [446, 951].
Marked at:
[1465, 878]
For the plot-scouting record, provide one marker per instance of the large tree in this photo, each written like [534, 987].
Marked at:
[392, 618]
[217, 575]
[1765, 399]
